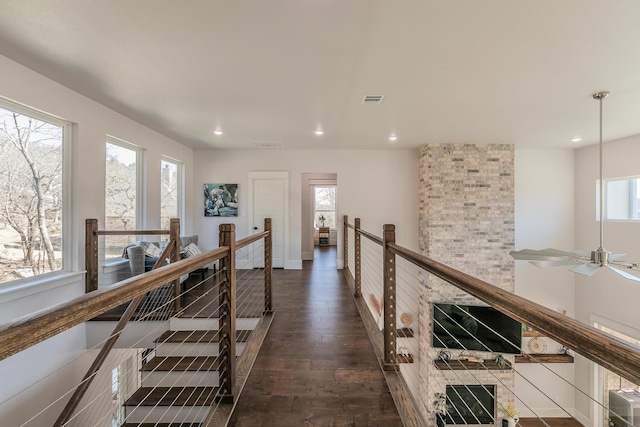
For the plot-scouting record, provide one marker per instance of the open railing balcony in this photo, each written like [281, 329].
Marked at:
[460, 351]
[455, 350]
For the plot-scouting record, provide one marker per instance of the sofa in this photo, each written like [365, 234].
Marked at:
[140, 260]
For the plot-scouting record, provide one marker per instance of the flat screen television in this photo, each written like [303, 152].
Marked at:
[472, 327]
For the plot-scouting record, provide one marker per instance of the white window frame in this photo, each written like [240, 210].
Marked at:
[179, 183]
[67, 212]
[631, 199]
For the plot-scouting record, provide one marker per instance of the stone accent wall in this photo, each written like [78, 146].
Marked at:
[466, 215]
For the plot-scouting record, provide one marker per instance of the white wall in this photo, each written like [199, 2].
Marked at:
[379, 186]
[545, 211]
[605, 294]
[92, 123]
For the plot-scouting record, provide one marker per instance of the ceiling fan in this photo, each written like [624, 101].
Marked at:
[587, 263]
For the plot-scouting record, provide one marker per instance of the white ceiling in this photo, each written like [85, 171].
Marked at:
[460, 71]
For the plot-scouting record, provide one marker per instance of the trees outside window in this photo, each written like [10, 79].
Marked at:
[170, 191]
[325, 207]
[31, 192]
[122, 193]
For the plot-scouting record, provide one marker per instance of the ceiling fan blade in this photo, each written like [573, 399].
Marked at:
[557, 252]
[624, 274]
[586, 254]
[614, 257]
[533, 255]
[554, 263]
[586, 269]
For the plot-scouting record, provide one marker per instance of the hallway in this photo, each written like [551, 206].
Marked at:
[317, 366]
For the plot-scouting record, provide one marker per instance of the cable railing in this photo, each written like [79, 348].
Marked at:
[458, 350]
[180, 367]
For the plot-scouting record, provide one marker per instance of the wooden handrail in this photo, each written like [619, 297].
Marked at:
[595, 345]
[370, 236]
[251, 239]
[131, 232]
[31, 330]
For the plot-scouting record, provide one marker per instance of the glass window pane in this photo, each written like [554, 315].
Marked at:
[622, 199]
[121, 194]
[325, 207]
[31, 182]
[169, 182]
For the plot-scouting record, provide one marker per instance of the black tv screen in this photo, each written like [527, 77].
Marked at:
[472, 327]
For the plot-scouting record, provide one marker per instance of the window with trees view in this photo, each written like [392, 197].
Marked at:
[32, 148]
[325, 207]
[123, 194]
[170, 191]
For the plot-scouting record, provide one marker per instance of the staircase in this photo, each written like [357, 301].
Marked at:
[180, 383]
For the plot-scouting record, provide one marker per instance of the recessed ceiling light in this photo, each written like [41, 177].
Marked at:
[217, 132]
[319, 132]
[393, 138]
[576, 139]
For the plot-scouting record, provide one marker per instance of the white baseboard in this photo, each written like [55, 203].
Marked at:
[307, 256]
[293, 264]
[339, 264]
[582, 419]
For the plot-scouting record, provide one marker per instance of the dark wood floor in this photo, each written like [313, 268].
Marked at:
[317, 366]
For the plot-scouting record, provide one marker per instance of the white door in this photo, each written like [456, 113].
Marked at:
[269, 201]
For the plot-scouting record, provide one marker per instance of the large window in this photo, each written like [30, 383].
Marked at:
[325, 207]
[123, 193]
[33, 147]
[170, 191]
[623, 199]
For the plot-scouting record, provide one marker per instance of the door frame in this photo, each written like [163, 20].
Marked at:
[272, 175]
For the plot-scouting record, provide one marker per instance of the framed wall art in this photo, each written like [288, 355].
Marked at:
[221, 200]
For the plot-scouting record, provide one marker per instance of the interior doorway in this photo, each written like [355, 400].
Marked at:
[311, 217]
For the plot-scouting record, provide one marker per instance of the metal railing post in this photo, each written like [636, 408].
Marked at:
[356, 260]
[91, 255]
[345, 243]
[389, 236]
[268, 265]
[227, 313]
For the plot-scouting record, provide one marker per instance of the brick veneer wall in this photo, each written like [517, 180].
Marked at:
[466, 215]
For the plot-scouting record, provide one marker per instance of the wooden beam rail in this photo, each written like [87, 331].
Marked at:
[595, 345]
[251, 239]
[370, 236]
[131, 232]
[26, 332]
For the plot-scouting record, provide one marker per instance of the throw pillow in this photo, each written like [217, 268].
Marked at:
[192, 250]
[152, 250]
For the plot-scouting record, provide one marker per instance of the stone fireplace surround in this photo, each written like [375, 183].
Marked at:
[466, 211]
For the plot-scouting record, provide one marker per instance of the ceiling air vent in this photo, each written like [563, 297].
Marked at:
[276, 144]
[372, 99]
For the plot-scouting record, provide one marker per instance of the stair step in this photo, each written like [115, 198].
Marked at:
[198, 336]
[190, 323]
[187, 363]
[162, 425]
[173, 396]
[185, 371]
